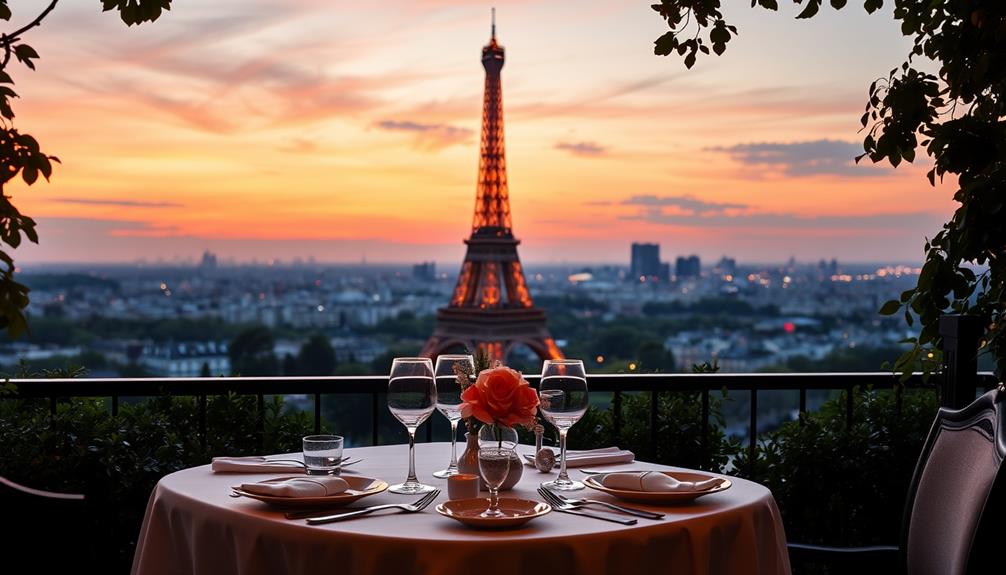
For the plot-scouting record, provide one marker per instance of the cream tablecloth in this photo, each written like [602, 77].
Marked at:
[193, 526]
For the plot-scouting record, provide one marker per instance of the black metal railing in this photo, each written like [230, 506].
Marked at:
[956, 385]
[617, 384]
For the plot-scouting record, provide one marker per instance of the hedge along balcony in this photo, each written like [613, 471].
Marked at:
[375, 386]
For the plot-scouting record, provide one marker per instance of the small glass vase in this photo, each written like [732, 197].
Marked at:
[468, 462]
[492, 436]
[498, 436]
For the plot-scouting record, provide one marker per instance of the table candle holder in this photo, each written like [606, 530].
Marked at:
[463, 486]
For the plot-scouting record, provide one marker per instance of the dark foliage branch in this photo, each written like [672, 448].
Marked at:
[956, 116]
[21, 155]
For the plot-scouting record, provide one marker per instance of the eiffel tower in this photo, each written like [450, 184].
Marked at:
[491, 306]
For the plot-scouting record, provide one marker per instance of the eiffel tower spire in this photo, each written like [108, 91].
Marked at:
[491, 306]
[492, 198]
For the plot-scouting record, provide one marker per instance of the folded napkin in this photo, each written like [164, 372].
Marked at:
[320, 486]
[588, 457]
[655, 481]
[252, 464]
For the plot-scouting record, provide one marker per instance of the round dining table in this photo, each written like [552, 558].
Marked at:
[194, 526]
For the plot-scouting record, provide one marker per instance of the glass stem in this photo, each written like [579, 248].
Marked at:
[494, 499]
[412, 456]
[563, 478]
[454, 444]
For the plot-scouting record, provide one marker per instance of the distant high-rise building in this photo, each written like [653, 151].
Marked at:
[209, 261]
[687, 267]
[426, 271]
[645, 261]
[827, 268]
[726, 266]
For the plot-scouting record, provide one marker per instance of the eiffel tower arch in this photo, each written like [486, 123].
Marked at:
[491, 306]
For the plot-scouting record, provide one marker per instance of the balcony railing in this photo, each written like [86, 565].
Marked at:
[375, 386]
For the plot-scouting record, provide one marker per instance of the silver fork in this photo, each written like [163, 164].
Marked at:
[559, 505]
[419, 505]
[582, 502]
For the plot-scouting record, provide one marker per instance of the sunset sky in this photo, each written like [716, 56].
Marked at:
[347, 130]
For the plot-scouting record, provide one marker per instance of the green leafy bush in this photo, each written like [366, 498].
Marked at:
[843, 486]
[679, 431]
[116, 461]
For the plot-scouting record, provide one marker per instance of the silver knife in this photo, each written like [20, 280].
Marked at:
[629, 510]
[595, 516]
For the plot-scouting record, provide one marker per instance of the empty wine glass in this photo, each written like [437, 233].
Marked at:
[412, 396]
[449, 401]
[562, 396]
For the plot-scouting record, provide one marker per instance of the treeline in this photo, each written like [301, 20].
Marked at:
[711, 306]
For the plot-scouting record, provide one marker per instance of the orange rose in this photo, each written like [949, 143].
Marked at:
[500, 396]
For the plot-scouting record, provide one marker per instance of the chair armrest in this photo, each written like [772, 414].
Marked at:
[875, 556]
[38, 492]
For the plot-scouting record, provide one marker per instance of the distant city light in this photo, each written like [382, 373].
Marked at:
[164, 286]
[321, 308]
[580, 277]
[786, 279]
[789, 327]
[632, 367]
[897, 271]
[600, 359]
[930, 355]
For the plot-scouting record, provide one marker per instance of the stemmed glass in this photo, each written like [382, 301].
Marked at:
[562, 396]
[412, 395]
[496, 454]
[449, 401]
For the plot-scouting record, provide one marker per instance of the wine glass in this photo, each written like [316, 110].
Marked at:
[449, 401]
[562, 396]
[494, 465]
[412, 395]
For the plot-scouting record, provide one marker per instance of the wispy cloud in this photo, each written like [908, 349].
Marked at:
[808, 158]
[582, 148]
[429, 136]
[117, 202]
[299, 146]
[914, 221]
[687, 204]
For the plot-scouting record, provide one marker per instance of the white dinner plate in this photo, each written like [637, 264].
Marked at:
[676, 496]
[359, 487]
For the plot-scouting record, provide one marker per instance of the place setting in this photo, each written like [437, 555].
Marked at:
[562, 400]
[656, 487]
[320, 455]
[320, 484]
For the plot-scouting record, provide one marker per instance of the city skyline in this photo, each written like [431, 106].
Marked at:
[342, 133]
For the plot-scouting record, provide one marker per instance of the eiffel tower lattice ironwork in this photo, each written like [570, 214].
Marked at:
[491, 306]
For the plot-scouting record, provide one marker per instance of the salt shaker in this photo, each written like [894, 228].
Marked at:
[544, 458]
